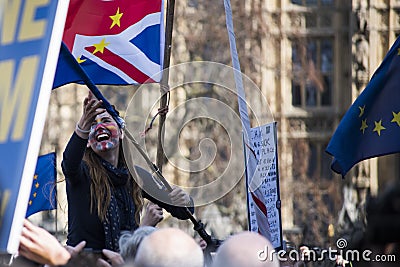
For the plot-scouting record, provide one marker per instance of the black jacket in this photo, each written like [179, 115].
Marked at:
[82, 223]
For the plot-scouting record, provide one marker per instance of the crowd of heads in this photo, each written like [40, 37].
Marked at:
[154, 247]
[171, 247]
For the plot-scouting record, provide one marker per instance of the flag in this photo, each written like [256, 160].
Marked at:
[43, 193]
[75, 73]
[371, 126]
[116, 42]
[68, 69]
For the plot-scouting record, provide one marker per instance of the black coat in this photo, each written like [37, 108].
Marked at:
[82, 223]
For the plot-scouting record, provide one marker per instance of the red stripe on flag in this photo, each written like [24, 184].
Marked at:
[92, 17]
[259, 204]
[121, 64]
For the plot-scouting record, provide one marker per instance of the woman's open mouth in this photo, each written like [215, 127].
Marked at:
[102, 135]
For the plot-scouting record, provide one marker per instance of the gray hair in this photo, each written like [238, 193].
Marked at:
[130, 241]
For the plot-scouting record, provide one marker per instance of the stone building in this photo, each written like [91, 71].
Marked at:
[311, 58]
[326, 52]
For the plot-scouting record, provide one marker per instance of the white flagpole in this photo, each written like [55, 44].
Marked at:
[251, 161]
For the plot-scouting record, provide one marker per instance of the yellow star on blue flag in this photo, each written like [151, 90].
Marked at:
[379, 105]
[43, 192]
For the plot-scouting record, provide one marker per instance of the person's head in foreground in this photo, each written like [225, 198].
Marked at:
[247, 249]
[169, 247]
[129, 242]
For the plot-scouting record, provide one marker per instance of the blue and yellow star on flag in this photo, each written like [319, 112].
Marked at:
[371, 126]
[43, 192]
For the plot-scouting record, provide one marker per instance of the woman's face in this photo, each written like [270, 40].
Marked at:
[104, 133]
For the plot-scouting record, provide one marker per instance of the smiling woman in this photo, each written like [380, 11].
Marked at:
[103, 197]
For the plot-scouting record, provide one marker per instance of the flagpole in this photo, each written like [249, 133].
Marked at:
[164, 87]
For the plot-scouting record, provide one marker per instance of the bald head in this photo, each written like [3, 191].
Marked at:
[169, 247]
[243, 250]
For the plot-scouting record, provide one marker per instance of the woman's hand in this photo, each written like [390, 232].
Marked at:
[152, 216]
[40, 246]
[91, 108]
[179, 197]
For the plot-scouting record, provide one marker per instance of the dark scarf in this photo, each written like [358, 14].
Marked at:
[120, 214]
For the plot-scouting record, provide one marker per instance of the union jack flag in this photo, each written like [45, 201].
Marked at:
[117, 41]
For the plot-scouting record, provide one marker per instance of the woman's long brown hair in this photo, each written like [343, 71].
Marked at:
[100, 186]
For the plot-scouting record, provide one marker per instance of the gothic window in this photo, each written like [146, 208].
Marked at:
[312, 67]
[311, 160]
[320, 161]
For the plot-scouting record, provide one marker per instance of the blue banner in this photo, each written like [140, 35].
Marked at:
[30, 38]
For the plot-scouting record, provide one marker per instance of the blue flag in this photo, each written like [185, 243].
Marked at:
[43, 193]
[69, 71]
[371, 127]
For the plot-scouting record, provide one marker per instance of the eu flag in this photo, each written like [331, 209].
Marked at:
[116, 42]
[371, 127]
[70, 71]
[43, 193]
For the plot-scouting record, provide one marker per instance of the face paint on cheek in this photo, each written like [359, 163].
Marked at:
[92, 138]
[114, 131]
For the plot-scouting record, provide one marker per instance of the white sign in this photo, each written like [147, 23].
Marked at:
[264, 146]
